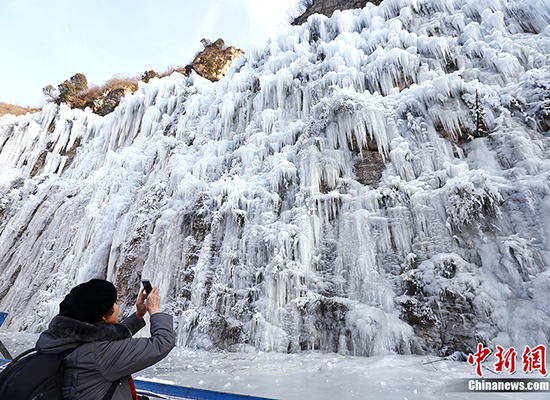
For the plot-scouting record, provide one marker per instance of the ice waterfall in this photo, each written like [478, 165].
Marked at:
[370, 183]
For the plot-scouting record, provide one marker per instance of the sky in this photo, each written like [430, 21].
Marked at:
[47, 42]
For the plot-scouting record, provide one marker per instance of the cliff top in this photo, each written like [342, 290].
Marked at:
[327, 7]
[6, 108]
[212, 63]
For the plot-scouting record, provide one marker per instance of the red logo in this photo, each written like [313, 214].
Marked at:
[505, 360]
[533, 359]
[478, 357]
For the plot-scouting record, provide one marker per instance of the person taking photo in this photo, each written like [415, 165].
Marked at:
[101, 352]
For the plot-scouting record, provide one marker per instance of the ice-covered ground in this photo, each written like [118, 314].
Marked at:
[310, 375]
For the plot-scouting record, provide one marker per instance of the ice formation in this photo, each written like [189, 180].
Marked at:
[376, 182]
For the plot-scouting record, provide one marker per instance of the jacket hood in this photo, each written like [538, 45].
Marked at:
[65, 333]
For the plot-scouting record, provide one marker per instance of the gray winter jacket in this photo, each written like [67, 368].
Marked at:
[104, 353]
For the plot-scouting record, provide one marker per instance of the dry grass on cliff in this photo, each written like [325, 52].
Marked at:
[170, 69]
[118, 81]
[6, 108]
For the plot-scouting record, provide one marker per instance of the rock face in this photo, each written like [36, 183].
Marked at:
[214, 61]
[327, 7]
[109, 99]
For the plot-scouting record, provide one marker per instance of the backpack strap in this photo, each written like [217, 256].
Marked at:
[61, 369]
[111, 391]
[6, 370]
[20, 356]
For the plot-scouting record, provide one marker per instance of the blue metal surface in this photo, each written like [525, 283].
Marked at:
[190, 393]
[3, 317]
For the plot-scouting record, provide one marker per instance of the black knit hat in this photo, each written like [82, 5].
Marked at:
[89, 302]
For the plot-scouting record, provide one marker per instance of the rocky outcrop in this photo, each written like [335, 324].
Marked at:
[327, 7]
[109, 99]
[214, 61]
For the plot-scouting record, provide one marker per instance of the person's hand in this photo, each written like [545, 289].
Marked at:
[153, 301]
[141, 308]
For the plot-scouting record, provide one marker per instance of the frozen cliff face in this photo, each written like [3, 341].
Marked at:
[375, 182]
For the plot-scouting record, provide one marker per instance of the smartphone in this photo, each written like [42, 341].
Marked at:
[147, 285]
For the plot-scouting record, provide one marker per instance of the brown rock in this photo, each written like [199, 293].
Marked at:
[214, 61]
[327, 7]
[109, 99]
